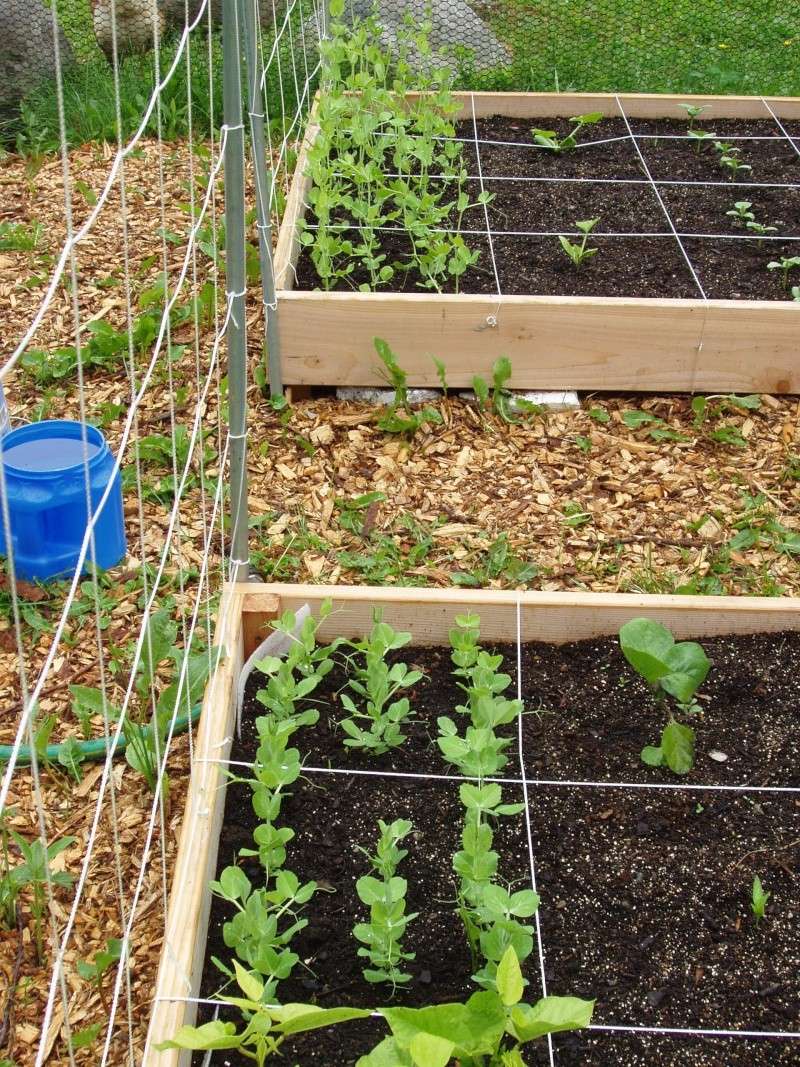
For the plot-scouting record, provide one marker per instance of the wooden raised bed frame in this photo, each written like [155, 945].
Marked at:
[569, 342]
[245, 612]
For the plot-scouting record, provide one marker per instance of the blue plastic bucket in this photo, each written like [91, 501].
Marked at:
[45, 481]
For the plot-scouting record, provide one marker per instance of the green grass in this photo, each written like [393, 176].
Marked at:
[703, 46]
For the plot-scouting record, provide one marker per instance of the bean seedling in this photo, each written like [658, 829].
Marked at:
[699, 138]
[579, 253]
[741, 212]
[550, 140]
[693, 111]
[758, 900]
[670, 668]
[761, 230]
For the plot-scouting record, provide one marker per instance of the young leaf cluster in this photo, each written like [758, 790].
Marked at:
[550, 140]
[376, 719]
[580, 253]
[385, 896]
[377, 161]
[487, 1031]
[400, 416]
[672, 669]
[490, 912]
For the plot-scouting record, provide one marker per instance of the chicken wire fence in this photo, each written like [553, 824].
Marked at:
[646, 45]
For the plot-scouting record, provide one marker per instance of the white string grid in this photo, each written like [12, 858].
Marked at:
[195, 604]
[654, 184]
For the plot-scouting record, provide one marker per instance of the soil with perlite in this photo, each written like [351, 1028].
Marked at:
[645, 891]
[615, 185]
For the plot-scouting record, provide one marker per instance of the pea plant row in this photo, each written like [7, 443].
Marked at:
[365, 693]
[404, 196]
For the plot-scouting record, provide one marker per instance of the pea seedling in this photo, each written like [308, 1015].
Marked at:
[758, 900]
[693, 111]
[386, 900]
[549, 139]
[579, 253]
[669, 668]
[785, 264]
[376, 683]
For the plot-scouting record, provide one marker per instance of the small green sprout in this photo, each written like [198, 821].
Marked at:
[760, 229]
[741, 212]
[699, 137]
[785, 264]
[796, 293]
[579, 253]
[693, 111]
[759, 898]
[549, 138]
[724, 148]
[733, 164]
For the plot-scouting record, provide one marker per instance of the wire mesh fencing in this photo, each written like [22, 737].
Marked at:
[132, 247]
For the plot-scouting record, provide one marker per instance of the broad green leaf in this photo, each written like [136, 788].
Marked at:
[476, 1025]
[427, 1050]
[387, 1054]
[509, 978]
[298, 1018]
[645, 645]
[550, 1015]
[252, 988]
[211, 1035]
[652, 756]
[677, 744]
[88, 1036]
[688, 668]
[235, 884]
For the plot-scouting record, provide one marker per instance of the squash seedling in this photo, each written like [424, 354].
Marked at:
[490, 1028]
[761, 230]
[699, 138]
[670, 668]
[740, 212]
[693, 111]
[758, 900]
[785, 264]
[579, 253]
[550, 140]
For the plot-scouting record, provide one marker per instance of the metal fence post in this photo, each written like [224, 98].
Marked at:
[235, 284]
[264, 184]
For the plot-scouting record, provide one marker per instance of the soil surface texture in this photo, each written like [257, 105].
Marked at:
[635, 186]
[645, 889]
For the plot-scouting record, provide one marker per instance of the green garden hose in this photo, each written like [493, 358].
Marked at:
[97, 748]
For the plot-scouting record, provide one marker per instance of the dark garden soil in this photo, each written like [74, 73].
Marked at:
[527, 200]
[645, 891]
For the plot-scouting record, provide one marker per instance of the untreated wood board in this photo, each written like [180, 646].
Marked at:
[554, 617]
[552, 342]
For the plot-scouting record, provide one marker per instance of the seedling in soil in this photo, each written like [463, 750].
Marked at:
[490, 1028]
[670, 669]
[386, 899]
[758, 900]
[93, 972]
[741, 212]
[785, 264]
[733, 164]
[693, 111]
[36, 873]
[796, 293]
[699, 138]
[549, 139]
[579, 253]
[266, 1027]
[376, 684]
[761, 230]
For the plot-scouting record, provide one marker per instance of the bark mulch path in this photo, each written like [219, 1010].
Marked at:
[645, 892]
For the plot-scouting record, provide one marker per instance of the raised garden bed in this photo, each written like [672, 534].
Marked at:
[644, 876]
[676, 308]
